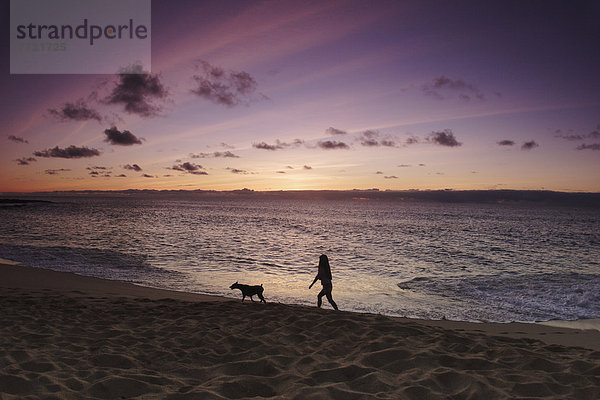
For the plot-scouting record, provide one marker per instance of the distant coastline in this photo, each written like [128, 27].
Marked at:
[583, 199]
[19, 202]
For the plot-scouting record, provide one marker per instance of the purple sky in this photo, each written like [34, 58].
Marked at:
[322, 95]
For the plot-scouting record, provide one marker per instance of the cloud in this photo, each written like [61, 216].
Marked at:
[371, 138]
[238, 171]
[116, 137]
[404, 165]
[189, 168]
[280, 172]
[379, 173]
[55, 171]
[412, 140]
[307, 167]
[121, 176]
[266, 146]
[529, 145]
[68, 152]
[332, 145]
[133, 167]
[442, 87]
[574, 137]
[148, 176]
[506, 143]
[97, 168]
[595, 133]
[228, 88]
[279, 145]
[594, 146]
[444, 138]
[571, 137]
[17, 139]
[333, 131]
[25, 160]
[78, 111]
[137, 91]
[390, 177]
[216, 154]
[224, 154]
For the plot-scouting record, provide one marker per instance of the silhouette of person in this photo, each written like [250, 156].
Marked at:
[324, 275]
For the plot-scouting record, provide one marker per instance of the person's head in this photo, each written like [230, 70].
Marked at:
[323, 259]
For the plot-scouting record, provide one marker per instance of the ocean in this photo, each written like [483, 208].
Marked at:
[431, 260]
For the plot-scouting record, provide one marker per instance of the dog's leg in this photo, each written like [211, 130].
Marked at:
[251, 298]
[261, 298]
[243, 297]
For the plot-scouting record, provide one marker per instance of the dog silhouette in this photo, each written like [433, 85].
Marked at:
[249, 291]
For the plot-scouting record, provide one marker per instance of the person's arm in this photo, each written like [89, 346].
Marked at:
[316, 278]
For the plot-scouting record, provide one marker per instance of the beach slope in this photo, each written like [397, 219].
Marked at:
[69, 337]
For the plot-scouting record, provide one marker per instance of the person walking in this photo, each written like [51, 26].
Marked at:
[324, 275]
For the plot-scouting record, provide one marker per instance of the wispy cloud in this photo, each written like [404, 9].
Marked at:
[506, 143]
[279, 145]
[390, 177]
[412, 140]
[594, 146]
[333, 131]
[332, 145]
[228, 88]
[571, 136]
[99, 171]
[78, 111]
[443, 87]
[17, 139]
[55, 171]
[371, 138]
[137, 92]
[116, 137]
[216, 154]
[307, 167]
[189, 167]
[25, 160]
[238, 171]
[68, 152]
[529, 145]
[133, 167]
[444, 138]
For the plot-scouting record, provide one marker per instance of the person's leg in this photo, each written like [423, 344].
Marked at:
[330, 299]
[327, 291]
[320, 297]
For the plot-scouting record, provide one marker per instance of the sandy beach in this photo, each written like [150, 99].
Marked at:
[65, 336]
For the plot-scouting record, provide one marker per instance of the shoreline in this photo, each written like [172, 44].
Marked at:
[70, 336]
[583, 333]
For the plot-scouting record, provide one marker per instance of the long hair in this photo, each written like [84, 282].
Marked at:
[324, 269]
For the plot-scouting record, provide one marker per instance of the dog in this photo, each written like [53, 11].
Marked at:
[250, 291]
